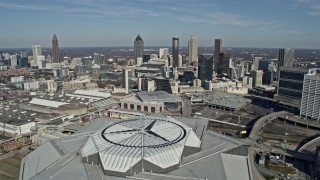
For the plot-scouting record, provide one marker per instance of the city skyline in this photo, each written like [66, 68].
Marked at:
[109, 23]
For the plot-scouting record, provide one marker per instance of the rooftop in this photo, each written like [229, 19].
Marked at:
[14, 115]
[158, 96]
[221, 99]
[66, 162]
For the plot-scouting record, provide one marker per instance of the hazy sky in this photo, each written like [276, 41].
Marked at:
[240, 23]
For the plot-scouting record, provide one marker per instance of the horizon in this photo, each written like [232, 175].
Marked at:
[146, 47]
[109, 23]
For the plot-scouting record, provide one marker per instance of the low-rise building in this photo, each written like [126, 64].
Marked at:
[152, 102]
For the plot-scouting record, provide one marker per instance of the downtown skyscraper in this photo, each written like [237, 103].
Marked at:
[217, 50]
[36, 53]
[55, 49]
[175, 51]
[138, 47]
[193, 49]
[286, 57]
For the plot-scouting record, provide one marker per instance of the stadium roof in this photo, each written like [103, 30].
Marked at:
[61, 158]
[158, 140]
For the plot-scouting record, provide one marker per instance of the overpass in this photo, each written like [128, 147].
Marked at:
[310, 147]
[261, 122]
[280, 151]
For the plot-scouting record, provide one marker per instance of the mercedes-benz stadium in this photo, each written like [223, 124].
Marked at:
[143, 144]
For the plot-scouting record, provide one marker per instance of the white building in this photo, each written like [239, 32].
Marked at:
[32, 85]
[310, 102]
[13, 60]
[40, 60]
[163, 53]
[247, 81]
[193, 49]
[17, 79]
[179, 60]
[17, 129]
[36, 51]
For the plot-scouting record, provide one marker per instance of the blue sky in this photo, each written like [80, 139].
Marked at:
[240, 23]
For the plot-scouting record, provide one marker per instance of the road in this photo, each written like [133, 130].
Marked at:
[290, 153]
[310, 147]
[261, 122]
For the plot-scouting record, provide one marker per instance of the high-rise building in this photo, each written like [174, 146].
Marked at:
[127, 76]
[224, 63]
[96, 72]
[264, 64]
[179, 60]
[175, 51]
[256, 63]
[205, 67]
[41, 61]
[13, 61]
[310, 101]
[217, 50]
[290, 85]
[268, 77]
[36, 51]
[163, 53]
[98, 58]
[286, 57]
[257, 77]
[138, 47]
[55, 49]
[193, 49]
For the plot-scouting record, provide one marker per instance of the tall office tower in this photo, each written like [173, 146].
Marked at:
[310, 101]
[138, 47]
[179, 60]
[217, 50]
[264, 64]
[205, 67]
[257, 77]
[55, 50]
[224, 64]
[268, 77]
[1, 55]
[175, 51]
[13, 61]
[286, 57]
[96, 72]
[36, 51]
[127, 76]
[256, 63]
[193, 49]
[163, 53]
[290, 85]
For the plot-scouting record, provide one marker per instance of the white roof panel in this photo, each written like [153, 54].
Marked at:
[93, 93]
[48, 103]
[162, 140]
